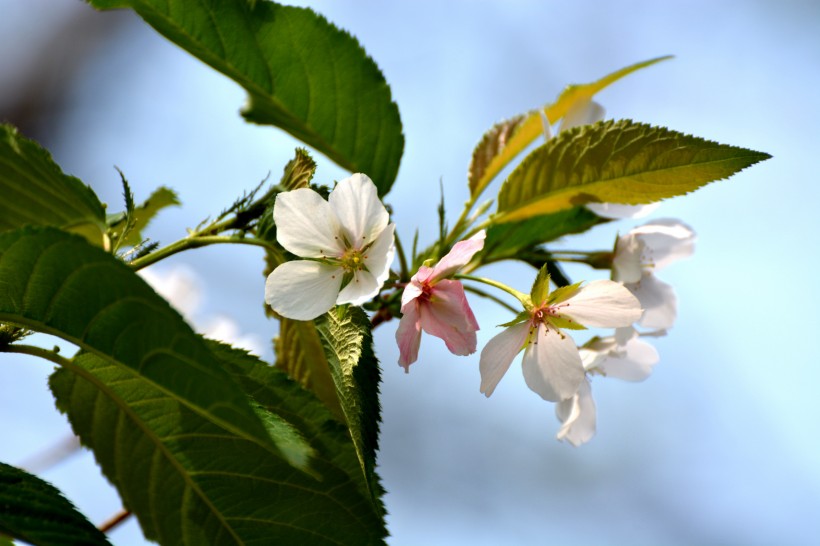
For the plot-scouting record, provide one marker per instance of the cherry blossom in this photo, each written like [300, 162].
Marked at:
[552, 365]
[347, 243]
[641, 252]
[623, 356]
[438, 305]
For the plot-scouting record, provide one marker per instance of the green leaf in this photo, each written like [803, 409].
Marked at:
[192, 482]
[36, 191]
[302, 74]
[142, 215]
[278, 393]
[615, 162]
[56, 283]
[299, 353]
[299, 171]
[36, 511]
[507, 139]
[348, 342]
[510, 241]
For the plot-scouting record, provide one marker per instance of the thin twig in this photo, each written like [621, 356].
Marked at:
[115, 520]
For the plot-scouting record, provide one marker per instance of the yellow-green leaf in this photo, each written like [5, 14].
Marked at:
[507, 139]
[615, 162]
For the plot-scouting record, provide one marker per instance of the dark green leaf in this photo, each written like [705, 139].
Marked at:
[35, 191]
[508, 241]
[348, 342]
[57, 283]
[35, 511]
[302, 74]
[615, 162]
[192, 482]
[279, 394]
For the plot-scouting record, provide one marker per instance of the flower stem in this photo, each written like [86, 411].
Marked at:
[489, 296]
[520, 296]
[196, 241]
[405, 272]
[33, 350]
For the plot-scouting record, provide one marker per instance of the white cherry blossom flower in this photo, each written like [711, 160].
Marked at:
[347, 243]
[641, 252]
[552, 365]
[623, 356]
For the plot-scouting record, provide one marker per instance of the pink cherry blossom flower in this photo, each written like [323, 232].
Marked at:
[437, 305]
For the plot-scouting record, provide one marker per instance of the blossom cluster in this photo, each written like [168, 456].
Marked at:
[346, 246]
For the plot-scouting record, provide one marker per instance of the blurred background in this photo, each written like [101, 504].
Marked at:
[719, 446]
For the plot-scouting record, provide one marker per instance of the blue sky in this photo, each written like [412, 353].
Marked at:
[719, 446]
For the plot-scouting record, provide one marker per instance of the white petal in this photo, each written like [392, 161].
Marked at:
[355, 200]
[665, 241]
[362, 288]
[379, 257]
[627, 265]
[578, 416]
[303, 290]
[617, 211]
[306, 225]
[582, 113]
[604, 304]
[552, 366]
[631, 362]
[499, 353]
[660, 305]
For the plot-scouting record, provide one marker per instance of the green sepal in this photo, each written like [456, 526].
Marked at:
[541, 286]
[563, 293]
[523, 316]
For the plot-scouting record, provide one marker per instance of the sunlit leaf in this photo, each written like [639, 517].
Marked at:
[35, 191]
[302, 74]
[615, 162]
[507, 139]
[35, 511]
[57, 283]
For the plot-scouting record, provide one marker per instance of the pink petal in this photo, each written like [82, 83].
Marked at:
[412, 291]
[447, 315]
[408, 335]
[499, 353]
[459, 256]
